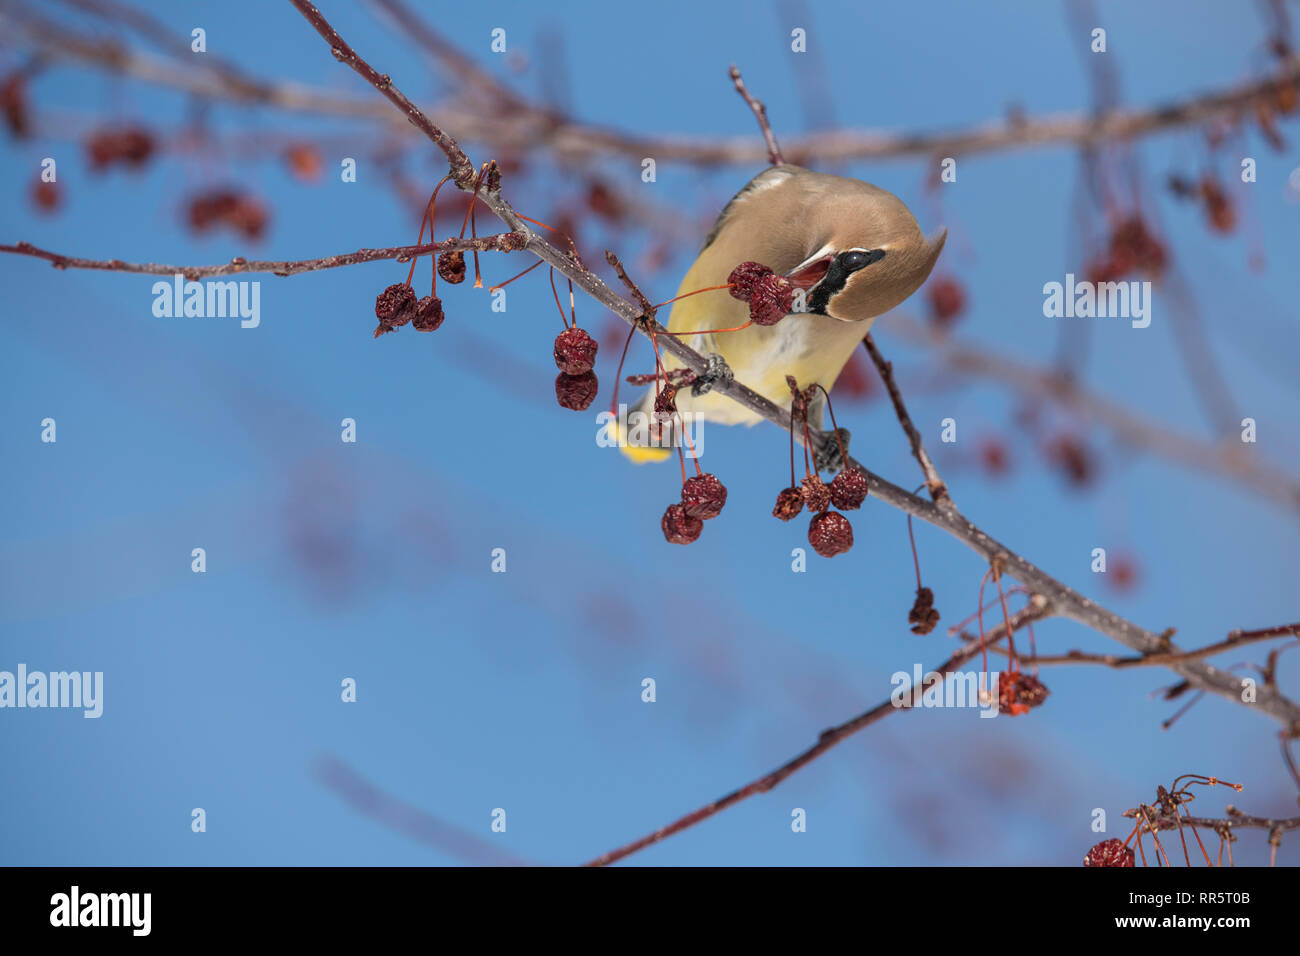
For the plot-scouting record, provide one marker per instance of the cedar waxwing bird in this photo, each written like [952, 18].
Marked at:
[854, 250]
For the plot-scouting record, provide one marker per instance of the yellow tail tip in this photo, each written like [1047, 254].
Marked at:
[643, 455]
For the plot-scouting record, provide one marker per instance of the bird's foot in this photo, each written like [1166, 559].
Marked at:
[828, 456]
[717, 373]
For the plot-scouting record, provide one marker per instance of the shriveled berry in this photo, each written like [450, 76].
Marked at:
[830, 534]
[575, 351]
[788, 503]
[1019, 692]
[428, 314]
[393, 303]
[679, 527]
[771, 300]
[451, 267]
[849, 489]
[923, 617]
[666, 400]
[745, 277]
[1109, 853]
[816, 495]
[703, 496]
[576, 391]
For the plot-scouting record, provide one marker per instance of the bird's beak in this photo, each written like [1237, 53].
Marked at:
[810, 273]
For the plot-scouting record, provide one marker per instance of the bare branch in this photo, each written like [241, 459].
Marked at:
[1226, 459]
[565, 137]
[827, 740]
[500, 242]
[938, 490]
[461, 169]
[405, 818]
[760, 113]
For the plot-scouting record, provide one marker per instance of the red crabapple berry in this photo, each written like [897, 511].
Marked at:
[1019, 692]
[849, 489]
[745, 277]
[788, 503]
[830, 534]
[771, 300]
[451, 267]
[576, 392]
[703, 496]
[815, 494]
[428, 314]
[395, 306]
[575, 350]
[1109, 853]
[679, 527]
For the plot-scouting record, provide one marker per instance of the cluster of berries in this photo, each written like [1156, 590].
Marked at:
[129, 146]
[829, 532]
[770, 296]
[703, 497]
[1132, 248]
[397, 305]
[236, 211]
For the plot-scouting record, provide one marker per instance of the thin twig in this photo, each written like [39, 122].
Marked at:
[760, 113]
[632, 287]
[459, 166]
[938, 490]
[827, 740]
[1234, 640]
[1225, 459]
[500, 242]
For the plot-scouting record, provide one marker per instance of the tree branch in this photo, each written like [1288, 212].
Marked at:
[501, 242]
[938, 490]
[534, 125]
[827, 740]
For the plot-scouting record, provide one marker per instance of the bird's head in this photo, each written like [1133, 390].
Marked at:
[867, 256]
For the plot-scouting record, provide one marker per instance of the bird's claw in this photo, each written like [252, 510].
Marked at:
[718, 372]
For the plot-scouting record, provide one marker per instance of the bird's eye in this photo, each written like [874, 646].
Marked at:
[852, 261]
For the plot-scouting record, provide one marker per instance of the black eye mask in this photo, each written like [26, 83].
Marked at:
[841, 267]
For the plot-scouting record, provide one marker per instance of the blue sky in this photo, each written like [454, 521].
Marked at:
[522, 690]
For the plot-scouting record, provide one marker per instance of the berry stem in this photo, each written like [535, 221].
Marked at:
[1006, 618]
[844, 455]
[916, 562]
[618, 378]
[502, 285]
[563, 318]
[711, 288]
